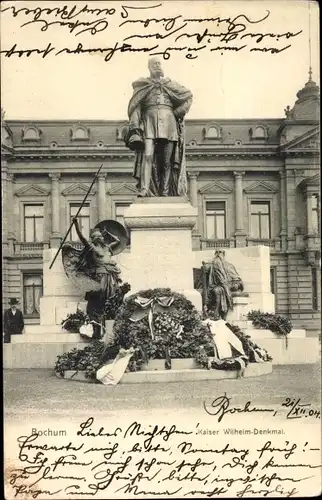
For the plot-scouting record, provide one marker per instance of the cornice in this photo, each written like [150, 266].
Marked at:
[103, 155]
[299, 152]
[188, 121]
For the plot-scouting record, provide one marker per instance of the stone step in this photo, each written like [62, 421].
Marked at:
[35, 355]
[259, 333]
[43, 329]
[43, 354]
[296, 351]
[46, 338]
[180, 375]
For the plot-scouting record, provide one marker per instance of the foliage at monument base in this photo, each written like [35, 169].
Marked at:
[74, 321]
[113, 304]
[161, 324]
[89, 359]
[273, 322]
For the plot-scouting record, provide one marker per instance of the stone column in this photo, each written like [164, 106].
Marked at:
[309, 206]
[318, 207]
[4, 196]
[240, 235]
[101, 197]
[283, 213]
[8, 235]
[193, 195]
[55, 237]
[10, 211]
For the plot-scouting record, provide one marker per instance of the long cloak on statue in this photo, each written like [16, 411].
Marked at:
[181, 99]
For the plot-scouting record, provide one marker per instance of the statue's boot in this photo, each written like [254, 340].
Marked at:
[166, 181]
[145, 190]
[143, 193]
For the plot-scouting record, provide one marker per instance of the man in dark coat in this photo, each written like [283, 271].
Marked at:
[13, 323]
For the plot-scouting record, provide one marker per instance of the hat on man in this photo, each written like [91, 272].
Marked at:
[13, 302]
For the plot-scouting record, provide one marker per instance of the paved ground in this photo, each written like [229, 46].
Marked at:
[34, 391]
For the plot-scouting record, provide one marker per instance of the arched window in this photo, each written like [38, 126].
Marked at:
[212, 133]
[30, 134]
[79, 133]
[121, 133]
[259, 132]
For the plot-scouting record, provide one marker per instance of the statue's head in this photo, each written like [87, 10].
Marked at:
[219, 253]
[154, 65]
[97, 237]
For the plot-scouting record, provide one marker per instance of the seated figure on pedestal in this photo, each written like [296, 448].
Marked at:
[220, 283]
[156, 133]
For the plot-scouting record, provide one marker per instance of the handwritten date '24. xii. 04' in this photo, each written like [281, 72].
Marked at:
[160, 460]
[291, 408]
[148, 29]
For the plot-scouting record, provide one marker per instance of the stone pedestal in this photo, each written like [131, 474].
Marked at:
[59, 291]
[161, 245]
[240, 310]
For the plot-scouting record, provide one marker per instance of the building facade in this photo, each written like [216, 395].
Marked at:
[255, 182]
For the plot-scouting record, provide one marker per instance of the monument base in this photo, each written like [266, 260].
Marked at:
[180, 375]
[161, 246]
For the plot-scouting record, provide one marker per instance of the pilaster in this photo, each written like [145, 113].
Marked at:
[240, 235]
[283, 213]
[101, 197]
[55, 237]
[193, 196]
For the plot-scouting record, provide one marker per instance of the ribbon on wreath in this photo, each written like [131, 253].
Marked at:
[147, 308]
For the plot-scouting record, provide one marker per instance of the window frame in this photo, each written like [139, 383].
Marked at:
[216, 198]
[25, 273]
[273, 274]
[316, 211]
[120, 200]
[214, 216]
[315, 289]
[120, 203]
[260, 215]
[78, 204]
[274, 212]
[32, 204]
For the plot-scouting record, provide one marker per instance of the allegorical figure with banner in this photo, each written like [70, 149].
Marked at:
[156, 133]
[95, 259]
[93, 269]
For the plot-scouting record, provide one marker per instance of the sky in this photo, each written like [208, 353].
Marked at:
[225, 83]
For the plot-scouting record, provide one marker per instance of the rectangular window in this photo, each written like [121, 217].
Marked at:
[83, 220]
[273, 280]
[315, 215]
[260, 220]
[216, 220]
[119, 212]
[33, 223]
[314, 289]
[32, 292]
